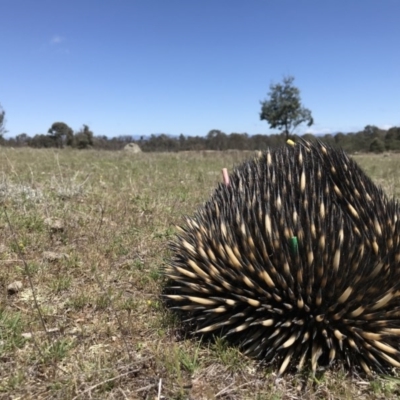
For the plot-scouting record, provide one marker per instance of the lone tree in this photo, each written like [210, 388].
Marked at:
[62, 134]
[2, 122]
[284, 108]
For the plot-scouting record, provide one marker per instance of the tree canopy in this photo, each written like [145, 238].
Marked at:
[62, 134]
[283, 109]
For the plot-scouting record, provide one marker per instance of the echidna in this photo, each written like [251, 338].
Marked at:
[297, 261]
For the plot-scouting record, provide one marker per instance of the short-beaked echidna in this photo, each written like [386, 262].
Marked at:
[297, 261]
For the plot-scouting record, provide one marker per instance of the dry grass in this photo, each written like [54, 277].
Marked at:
[86, 233]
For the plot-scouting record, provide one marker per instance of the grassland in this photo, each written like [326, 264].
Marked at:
[82, 238]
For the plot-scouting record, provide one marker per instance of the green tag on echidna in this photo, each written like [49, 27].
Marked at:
[294, 246]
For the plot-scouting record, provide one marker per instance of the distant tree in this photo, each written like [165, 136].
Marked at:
[284, 110]
[62, 134]
[377, 146]
[216, 140]
[166, 143]
[258, 142]
[2, 122]
[238, 141]
[160, 142]
[351, 142]
[41, 140]
[83, 139]
[393, 133]
[276, 140]
[339, 137]
[182, 142]
[371, 131]
[392, 139]
[196, 143]
[125, 139]
[101, 142]
[329, 139]
[22, 139]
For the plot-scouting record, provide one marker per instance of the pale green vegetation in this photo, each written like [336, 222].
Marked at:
[88, 232]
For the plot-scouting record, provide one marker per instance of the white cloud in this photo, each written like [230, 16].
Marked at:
[316, 131]
[385, 126]
[56, 39]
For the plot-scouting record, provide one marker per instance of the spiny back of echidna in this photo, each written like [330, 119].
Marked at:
[297, 261]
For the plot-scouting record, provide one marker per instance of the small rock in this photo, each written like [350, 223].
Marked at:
[14, 287]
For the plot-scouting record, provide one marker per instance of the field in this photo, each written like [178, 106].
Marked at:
[83, 235]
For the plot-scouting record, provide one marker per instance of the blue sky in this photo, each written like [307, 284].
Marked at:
[137, 67]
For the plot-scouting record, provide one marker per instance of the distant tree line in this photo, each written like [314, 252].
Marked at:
[60, 135]
[283, 110]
